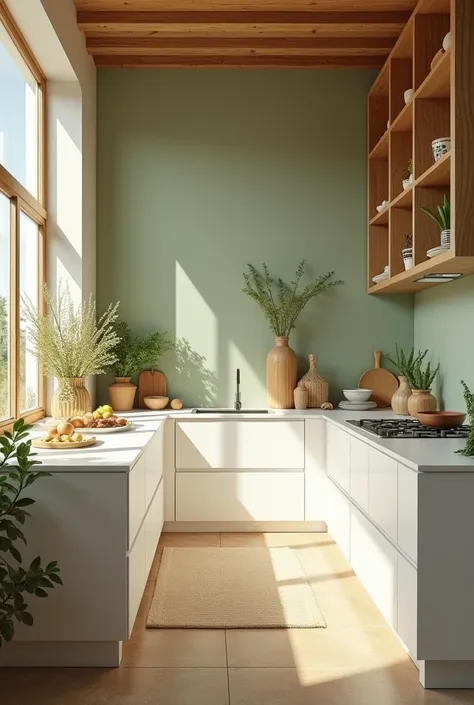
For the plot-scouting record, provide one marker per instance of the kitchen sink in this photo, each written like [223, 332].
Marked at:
[229, 411]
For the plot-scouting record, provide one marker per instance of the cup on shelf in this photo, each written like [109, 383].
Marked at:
[408, 95]
[446, 238]
[440, 147]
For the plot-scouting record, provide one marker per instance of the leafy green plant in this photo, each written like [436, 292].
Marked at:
[280, 302]
[408, 238]
[409, 170]
[442, 215]
[136, 352]
[15, 580]
[411, 366]
[469, 399]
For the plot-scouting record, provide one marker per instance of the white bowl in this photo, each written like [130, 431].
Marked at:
[358, 395]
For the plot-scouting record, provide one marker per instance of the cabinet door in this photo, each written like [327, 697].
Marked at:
[383, 492]
[408, 511]
[136, 498]
[338, 456]
[137, 575]
[153, 526]
[239, 445]
[407, 605]
[240, 496]
[360, 473]
[339, 517]
[154, 463]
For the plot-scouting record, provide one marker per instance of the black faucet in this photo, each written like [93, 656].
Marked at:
[238, 403]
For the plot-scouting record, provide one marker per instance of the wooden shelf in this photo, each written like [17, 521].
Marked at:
[404, 199]
[437, 83]
[405, 282]
[380, 151]
[380, 218]
[437, 175]
[404, 120]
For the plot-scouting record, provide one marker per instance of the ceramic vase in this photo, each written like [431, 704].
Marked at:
[301, 397]
[282, 370]
[318, 389]
[401, 397]
[421, 400]
[78, 403]
[122, 394]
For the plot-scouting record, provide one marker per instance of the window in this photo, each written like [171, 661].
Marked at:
[22, 220]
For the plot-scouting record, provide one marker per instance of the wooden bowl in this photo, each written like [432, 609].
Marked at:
[156, 403]
[441, 419]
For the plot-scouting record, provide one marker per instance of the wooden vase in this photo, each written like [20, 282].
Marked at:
[318, 389]
[77, 405]
[421, 400]
[282, 371]
[401, 397]
[301, 397]
[122, 394]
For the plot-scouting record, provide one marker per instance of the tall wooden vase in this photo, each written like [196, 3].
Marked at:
[282, 371]
[318, 389]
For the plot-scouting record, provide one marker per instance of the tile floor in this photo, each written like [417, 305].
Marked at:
[357, 660]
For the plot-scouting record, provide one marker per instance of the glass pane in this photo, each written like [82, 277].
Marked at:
[29, 270]
[4, 307]
[18, 116]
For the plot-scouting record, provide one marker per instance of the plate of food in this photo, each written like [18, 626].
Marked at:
[102, 420]
[63, 436]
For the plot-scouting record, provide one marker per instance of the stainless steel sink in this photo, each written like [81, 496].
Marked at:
[229, 411]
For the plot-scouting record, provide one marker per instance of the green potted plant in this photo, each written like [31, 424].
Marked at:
[469, 399]
[281, 304]
[16, 474]
[420, 379]
[442, 217]
[70, 344]
[404, 365]
[408, 175]
[133, 353]
[407, 252]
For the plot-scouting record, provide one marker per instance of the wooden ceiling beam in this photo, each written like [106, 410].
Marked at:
[310, 62]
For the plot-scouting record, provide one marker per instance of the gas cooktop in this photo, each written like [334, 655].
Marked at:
[407, 428]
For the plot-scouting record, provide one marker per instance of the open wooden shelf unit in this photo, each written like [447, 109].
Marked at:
[442, 105]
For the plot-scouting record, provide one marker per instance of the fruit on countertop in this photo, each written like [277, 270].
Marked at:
[64, 428]
[176, 404]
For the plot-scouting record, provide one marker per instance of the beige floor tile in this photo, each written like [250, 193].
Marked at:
[184, 648]
[121, 686]
[393, 685]
[185, 539]
[274, 539]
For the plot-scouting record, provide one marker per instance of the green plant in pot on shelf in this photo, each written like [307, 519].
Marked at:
[408, 175]
[407, 252]
[468, 449]
[281, 304]
[71, 344]
[442, 217]
[18, 580]
[134, 353]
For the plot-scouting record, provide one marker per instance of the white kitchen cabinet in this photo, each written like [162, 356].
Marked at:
[338, 456]
[359, 483]
[315, 476]
[239, 445]
[137, 576]
[408, 511]
[154, 463]
[153, 526]
[383, 492]
[240, 496]
[136, 498]
[339, 517]
[407, 605]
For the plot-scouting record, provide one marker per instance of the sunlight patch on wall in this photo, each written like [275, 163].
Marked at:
[69, 187]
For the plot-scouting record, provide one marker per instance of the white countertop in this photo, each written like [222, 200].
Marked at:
[118, 452]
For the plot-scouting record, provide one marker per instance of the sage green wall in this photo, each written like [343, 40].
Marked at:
[444, 323]
[201, 172]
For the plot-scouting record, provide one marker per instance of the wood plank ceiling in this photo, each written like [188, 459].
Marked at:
[239, 33]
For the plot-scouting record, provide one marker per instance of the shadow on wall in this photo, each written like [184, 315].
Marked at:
[193, 374]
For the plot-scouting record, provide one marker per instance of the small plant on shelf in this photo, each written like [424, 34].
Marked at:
[469, 399]
[442, 217]
[408, 175]
[407, 252]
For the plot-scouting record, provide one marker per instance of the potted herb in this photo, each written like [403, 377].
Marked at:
[281, 304]
[133, 353]
[469, 399]
[405, 365]
[420, 378]
[16, 474]
[407, 252]
[70, 344]
[442, 217]
[408, 175]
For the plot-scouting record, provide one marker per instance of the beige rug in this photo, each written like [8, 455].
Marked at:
[232, 588]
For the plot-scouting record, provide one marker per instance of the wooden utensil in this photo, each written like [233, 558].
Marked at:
[48, 445]
[382, 383]
[151, 383]
[441, 419]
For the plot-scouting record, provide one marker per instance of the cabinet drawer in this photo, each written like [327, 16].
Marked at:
[407, 605]
[339, 518]
[383, 492]
[136, 498]
[360, 473]
[237, 496]
[137, 576]
[338, 456]
[154, 463]
[153, 526]
[203, 445]
[408, 511]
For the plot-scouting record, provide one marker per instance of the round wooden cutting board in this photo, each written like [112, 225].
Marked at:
[48, 445]
[382, 383]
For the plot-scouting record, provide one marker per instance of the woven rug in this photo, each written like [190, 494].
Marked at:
[232, 588]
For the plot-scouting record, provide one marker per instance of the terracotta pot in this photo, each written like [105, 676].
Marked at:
[301, 397]
[401, 397]
[122, 394]
[421, 400]
[318, 389]
[282, 371]
[78, 404]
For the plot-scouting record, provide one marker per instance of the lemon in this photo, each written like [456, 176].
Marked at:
[107, 409]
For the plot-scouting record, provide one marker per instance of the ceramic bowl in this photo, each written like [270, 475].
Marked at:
[440, 147]
[358, 395]
[156, 403]
[441, 419]
[382, 206]
[408, 95]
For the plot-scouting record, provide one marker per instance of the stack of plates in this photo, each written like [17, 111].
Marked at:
[357, 405]
[435, 251]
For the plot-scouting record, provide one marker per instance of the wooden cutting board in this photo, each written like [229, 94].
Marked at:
[151, 383]
[382, 383]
